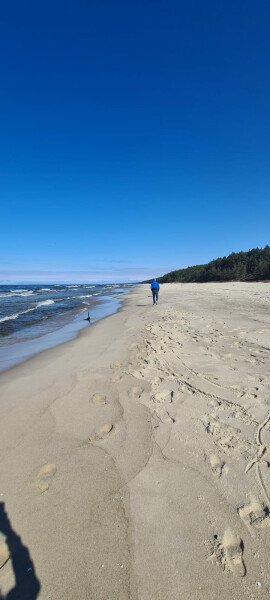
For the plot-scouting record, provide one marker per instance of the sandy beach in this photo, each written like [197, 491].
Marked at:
[134, 460]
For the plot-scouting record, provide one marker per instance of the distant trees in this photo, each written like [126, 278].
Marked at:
[253, 265]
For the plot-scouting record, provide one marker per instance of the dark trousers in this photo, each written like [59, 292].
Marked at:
[155, 296]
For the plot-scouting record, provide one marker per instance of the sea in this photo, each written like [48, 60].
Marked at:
[37, 317]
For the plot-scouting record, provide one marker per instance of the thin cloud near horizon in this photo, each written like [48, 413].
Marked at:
[128, 274]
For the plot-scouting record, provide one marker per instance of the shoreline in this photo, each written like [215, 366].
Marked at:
[126, 453]
[20, 352]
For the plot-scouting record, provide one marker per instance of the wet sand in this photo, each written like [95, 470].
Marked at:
[134, 460]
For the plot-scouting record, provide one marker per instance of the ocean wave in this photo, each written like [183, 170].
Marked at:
[13, 293]
[18, 294]
[24, 312]
[9, 318]
[45, 290]
[16, 315]
[85, 296]
[44, 303]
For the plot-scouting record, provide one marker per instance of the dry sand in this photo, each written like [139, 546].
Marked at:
[134, 460]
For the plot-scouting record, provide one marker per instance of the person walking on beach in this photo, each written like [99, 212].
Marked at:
[155, 290]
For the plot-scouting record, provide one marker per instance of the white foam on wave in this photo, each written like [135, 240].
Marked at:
[45, 290]
[85, 296]
[25, 292]
[9, 318]
[23, 312]
[28, 293]
[44, 303]
[16, 293]
[16, 315]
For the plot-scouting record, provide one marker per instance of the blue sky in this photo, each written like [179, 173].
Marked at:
[135, 137]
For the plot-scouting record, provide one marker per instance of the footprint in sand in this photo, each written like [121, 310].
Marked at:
[136, 392]
[162, 397]
[213, 402]
[217, 465]
[101, 434]
[43, 479]
[159, 397]
[4, 554]
[99, 399]
[116, 377]
[254, 514]
[233, 552]
[225, 437]
[116, 366]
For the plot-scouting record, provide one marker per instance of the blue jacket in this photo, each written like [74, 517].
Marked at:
[154, 286]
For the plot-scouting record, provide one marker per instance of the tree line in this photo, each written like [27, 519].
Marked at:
[253, 265]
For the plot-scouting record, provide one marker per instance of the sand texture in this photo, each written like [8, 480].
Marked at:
[135, 460]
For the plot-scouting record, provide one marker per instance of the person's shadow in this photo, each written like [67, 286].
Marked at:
[27, 585]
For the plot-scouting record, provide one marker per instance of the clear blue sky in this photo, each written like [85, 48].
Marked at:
[135, 136]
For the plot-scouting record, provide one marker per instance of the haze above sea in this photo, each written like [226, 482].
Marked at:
[38, 316]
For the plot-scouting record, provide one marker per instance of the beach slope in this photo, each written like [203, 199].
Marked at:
[134, 460]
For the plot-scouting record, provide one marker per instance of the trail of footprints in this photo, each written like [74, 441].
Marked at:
[42, 480]
[102, 400]
[227, 438]
[166, 387]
